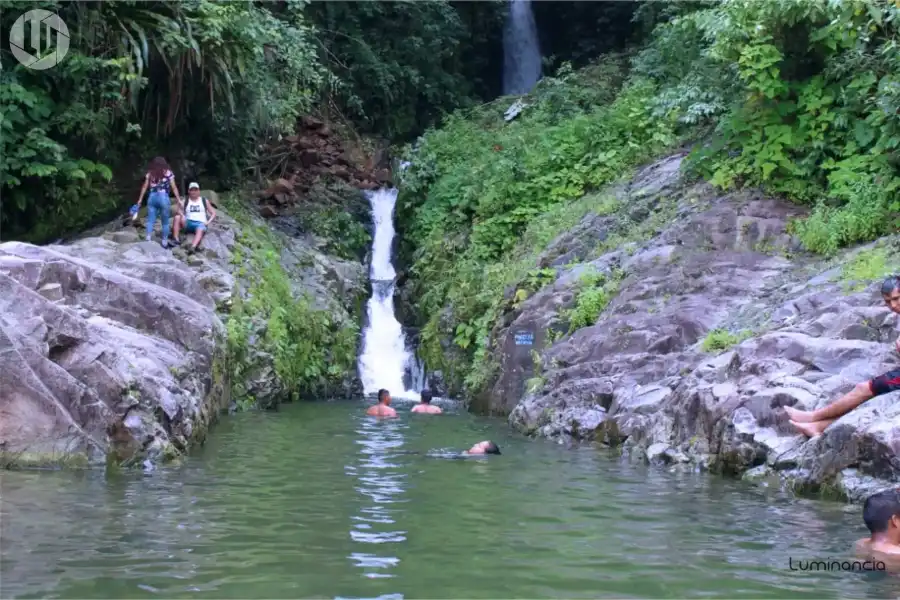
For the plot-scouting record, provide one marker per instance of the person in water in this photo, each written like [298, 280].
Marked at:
[814, 422]
[485, 447]
[383, 408]
[159, 180]
[425, 405]
[881, 514]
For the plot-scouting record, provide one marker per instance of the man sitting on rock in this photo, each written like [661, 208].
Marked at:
[812, 423]
[382, 409]
[197, 216]
[425, 406]
[881, 513]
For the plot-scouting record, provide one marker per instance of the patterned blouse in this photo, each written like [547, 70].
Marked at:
[161, 185]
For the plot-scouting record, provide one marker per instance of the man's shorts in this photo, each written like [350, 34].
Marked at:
[194, 226]
[885, 384]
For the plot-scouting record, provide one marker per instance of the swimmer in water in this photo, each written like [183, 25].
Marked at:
[480, 449]
[485, 447]
[382, 409]
[425, 406]
[881, 513]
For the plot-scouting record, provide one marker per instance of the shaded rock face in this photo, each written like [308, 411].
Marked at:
[98, 360]
[113, 348]
[639, 377]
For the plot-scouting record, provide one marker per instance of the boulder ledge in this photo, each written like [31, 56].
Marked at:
[112, 349]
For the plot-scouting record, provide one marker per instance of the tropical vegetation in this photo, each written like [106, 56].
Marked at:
[800, 97]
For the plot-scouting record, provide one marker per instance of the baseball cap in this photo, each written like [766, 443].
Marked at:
[192, 185]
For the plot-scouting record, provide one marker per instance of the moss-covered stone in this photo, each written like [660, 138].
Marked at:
[43, 460]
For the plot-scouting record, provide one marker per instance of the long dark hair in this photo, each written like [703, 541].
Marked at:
[158, 168]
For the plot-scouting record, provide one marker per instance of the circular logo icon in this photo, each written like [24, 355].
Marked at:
[48, 52]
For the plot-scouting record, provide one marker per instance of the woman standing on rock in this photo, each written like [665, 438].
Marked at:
[159, 179]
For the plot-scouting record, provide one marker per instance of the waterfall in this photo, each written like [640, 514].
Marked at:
[385, 358]
[521, 51]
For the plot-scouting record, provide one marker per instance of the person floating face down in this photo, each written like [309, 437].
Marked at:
[813, 422]
[198, 213]
[425, 406]
[382, 409]
[881, 514]
[485, 447]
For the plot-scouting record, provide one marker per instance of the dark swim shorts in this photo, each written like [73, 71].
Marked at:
[885, 384]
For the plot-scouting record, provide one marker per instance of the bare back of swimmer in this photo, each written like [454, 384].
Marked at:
[382, 409]
[425, 406]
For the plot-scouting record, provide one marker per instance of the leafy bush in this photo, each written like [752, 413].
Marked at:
[722, 339]
[595, 293]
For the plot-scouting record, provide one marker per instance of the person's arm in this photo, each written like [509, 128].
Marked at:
[177, 195]
[212, 213]
[143, 189]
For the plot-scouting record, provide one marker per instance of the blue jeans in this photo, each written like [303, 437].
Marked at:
[158, 203]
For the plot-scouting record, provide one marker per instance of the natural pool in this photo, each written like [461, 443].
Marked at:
[315, 500]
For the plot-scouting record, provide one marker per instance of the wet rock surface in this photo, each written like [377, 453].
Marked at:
[640, 377]
[112, 347]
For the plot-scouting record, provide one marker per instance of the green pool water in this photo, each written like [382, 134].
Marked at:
[318, 501]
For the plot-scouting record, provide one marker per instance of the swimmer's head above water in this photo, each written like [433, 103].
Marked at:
[384, 397]
[485, 447]
[881, 513]
[425, 396]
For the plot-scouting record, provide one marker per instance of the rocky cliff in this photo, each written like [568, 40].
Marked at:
[715, 321]
[113, 348]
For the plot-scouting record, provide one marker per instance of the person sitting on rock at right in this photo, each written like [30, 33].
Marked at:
[814, 422]
[197, 215]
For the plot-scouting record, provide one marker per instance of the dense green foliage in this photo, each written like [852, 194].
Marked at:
[798, 96]
[312, 352]
[142, 78]
[204, 82]
[805, 97]
[403, 64]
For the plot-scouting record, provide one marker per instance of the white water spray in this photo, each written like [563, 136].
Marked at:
[385, 357]
[521, 50]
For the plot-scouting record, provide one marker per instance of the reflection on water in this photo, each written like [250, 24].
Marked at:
[320, 501]
[380, 480]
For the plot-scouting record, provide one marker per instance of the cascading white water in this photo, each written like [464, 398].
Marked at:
[521, 49]
[385, 357]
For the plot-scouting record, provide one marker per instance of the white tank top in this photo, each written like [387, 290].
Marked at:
[196, 211]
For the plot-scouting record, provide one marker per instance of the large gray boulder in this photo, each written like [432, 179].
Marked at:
[111, 354]
[641, 378]
[113, 348]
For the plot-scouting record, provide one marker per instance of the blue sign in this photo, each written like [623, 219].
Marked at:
[524, 338]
